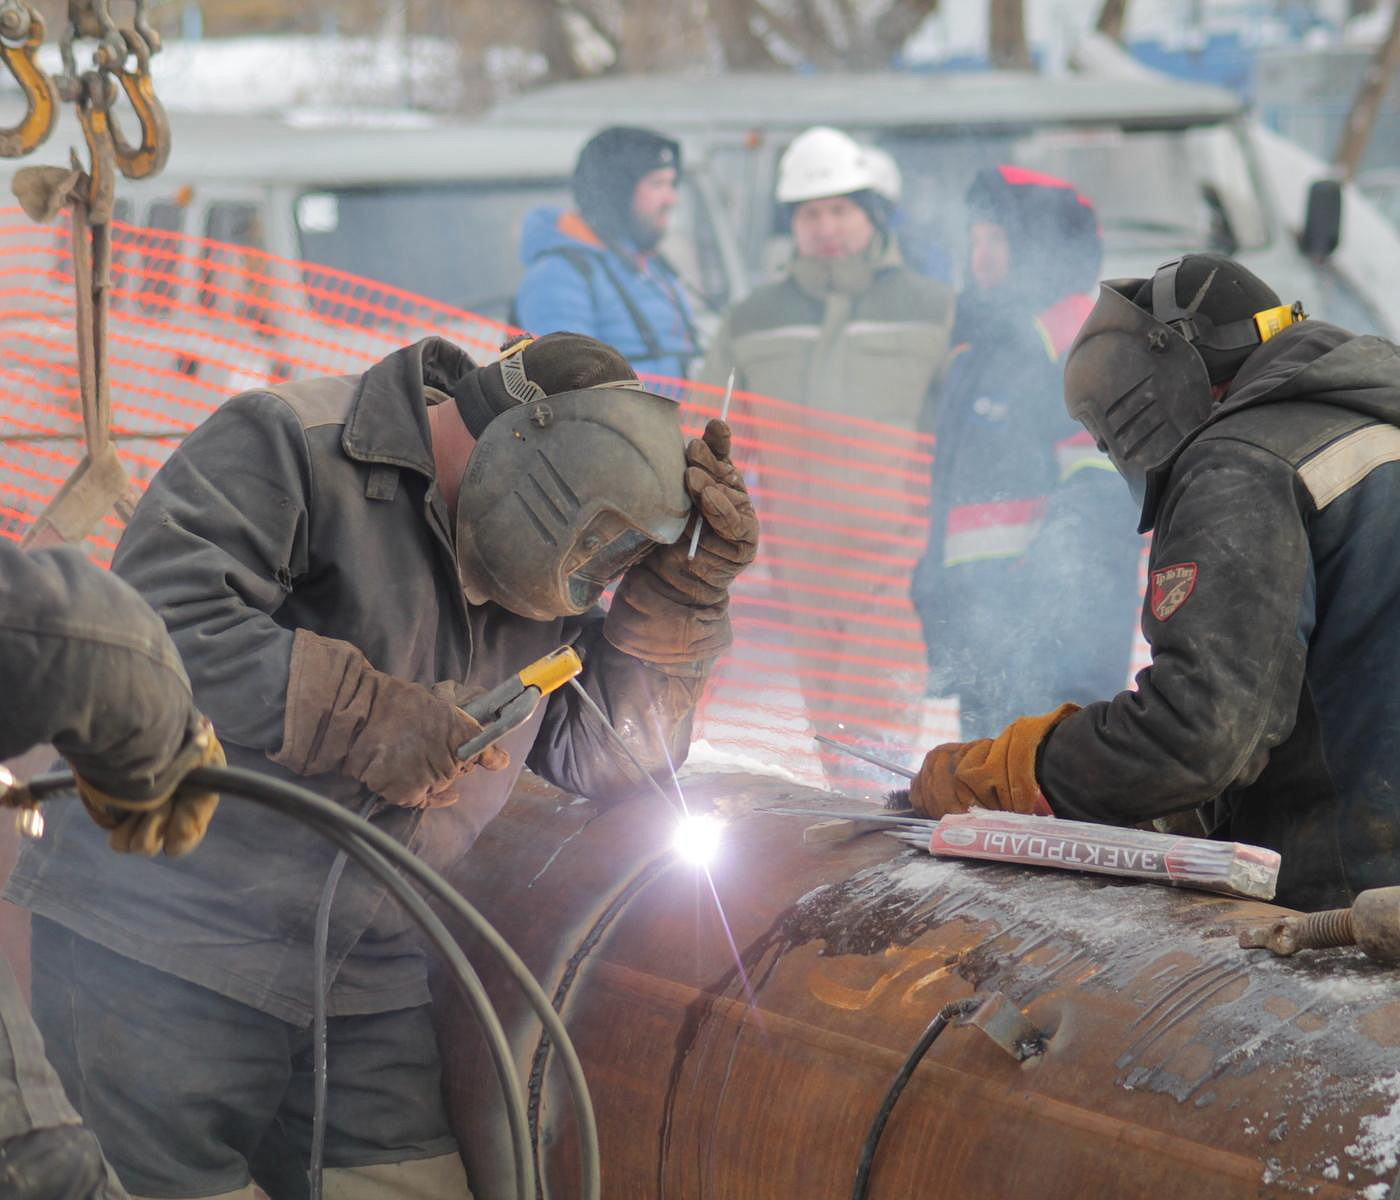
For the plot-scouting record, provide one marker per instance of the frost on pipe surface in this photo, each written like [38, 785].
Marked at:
[1175, 1062]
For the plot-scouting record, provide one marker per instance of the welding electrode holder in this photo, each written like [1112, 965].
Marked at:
[511, 703]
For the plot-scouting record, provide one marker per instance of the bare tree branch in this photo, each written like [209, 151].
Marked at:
[899, 22]
[799, 36]
[596, 22]
[1111, 19]
[1356, 134]
[1006, 35]
[743, 50]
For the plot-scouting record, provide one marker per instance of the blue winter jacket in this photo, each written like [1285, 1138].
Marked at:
[574, 282]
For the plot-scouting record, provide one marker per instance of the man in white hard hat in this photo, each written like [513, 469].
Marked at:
[849, 328]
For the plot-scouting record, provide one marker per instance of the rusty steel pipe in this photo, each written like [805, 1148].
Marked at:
[744, 1057]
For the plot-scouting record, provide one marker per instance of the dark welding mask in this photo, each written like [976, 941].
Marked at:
[1135, 384]
[1140, 379]
[564, 492]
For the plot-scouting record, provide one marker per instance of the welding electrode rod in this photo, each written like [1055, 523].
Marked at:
[723, 416]
[869, 756]
[592, 706]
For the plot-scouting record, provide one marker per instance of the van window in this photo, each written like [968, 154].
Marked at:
[160, 263]
[1157, 192]
[456, 243]
[234, 277]
[460, 243]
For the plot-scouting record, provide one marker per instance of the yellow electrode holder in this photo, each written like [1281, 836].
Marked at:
[552, 671]
[1275, 320]
[512, 702]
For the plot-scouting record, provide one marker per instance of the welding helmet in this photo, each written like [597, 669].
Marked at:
[566, 489]
[1140, 373]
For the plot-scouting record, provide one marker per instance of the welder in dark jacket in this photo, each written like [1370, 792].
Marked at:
[1030, 580]
[339, 560]
[1265, 452]
[89, 668]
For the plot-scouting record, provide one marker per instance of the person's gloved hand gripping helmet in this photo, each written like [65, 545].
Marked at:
[577, 473]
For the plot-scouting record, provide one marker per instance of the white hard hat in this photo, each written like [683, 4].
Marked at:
[822, 161]
[889, 183]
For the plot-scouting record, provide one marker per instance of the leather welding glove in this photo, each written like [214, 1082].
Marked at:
[158, 815]
[395, 737]
[670, 608]
[995, 773]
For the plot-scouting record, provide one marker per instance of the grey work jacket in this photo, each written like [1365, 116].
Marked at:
[865, 336]
[316, 507]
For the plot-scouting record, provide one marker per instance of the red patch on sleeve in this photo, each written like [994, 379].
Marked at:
[1171, 588]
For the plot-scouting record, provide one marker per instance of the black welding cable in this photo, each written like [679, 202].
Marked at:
[877, 1127]
[467, 979]
[307, 806]
[244, 782]
[319, 1068]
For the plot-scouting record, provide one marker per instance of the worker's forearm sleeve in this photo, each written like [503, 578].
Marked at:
[651, 708]
[1227, 662]
[214, 547]
[88, 667]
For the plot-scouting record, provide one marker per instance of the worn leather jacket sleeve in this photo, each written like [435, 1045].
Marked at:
[214, 546]
[652, 707]
[1227, 663]
[88, 667]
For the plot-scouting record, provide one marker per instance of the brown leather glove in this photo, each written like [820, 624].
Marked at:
[395, 737]
[996, 773]
[173, 819]
[670, 608]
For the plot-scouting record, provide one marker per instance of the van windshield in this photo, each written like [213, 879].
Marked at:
[1156, 192]
[457, 243]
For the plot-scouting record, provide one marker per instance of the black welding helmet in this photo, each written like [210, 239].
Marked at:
[1140, 373]
[566, 491]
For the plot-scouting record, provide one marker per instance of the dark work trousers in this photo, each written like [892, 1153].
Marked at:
[193, 1094]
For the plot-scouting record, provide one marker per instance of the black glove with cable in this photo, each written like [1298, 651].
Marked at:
[671, 609]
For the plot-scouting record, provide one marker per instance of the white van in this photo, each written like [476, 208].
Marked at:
[1171, 167]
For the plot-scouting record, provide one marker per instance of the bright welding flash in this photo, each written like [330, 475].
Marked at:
[696, 839]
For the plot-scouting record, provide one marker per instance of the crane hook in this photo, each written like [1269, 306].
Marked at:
[21, 33]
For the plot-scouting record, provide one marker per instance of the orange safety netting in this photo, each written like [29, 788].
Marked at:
[825, 637]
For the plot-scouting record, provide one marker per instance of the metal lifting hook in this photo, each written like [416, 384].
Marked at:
[100, 482]
[93, 91]
[21, 33]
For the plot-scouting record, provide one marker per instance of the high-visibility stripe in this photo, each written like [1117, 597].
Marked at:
[1079, 453]
[996, 529]
[1346, 462]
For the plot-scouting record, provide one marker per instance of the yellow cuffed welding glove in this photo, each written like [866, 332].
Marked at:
[995, 773]
[174, 820]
